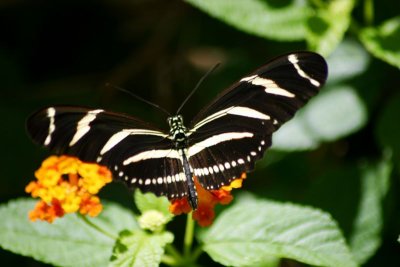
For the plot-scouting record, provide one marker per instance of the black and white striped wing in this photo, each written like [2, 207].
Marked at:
[136, 153]
[230, 134]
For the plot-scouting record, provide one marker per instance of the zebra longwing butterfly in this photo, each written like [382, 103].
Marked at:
[224, 140]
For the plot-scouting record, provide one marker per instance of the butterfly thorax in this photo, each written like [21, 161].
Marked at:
[178, 131]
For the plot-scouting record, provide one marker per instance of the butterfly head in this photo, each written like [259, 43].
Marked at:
[177, 129]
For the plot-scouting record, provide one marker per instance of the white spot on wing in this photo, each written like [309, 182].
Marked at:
[270, 86]
[209, 119]
[83, 125]
[221, 167]
[153, 154]
[246, 79]
[215, 167]
[234, 110]
[51, 113]
[248, 112]
[113, 141]
[294, 60]
[216, 139]
[121, 135]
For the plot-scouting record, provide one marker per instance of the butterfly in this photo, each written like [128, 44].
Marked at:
[224, 140]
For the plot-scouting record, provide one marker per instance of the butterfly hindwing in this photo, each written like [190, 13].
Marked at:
[230, 134]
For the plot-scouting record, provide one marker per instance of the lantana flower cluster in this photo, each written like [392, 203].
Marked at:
[66, 185]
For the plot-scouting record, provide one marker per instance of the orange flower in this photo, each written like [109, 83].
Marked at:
[46, 212]
[179, 206]
[67, 185]
[204, 215]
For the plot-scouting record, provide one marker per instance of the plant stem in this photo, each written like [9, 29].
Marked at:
[169, 260]
[368, 12]
[189, 232]
[196, 253]
[173, 252]
[98, 228]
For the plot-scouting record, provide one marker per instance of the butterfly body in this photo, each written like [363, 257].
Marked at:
[178, 133]
[224, 140]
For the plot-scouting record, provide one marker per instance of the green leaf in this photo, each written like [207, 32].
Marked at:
[335, 113]
[347, 61]
[69, 241]
[252, 230]
[383, 41]
[285, 21]
[149, 201]
[139, 249]
[325, 31]
[332, 114]
[365, 238]
[294, 135]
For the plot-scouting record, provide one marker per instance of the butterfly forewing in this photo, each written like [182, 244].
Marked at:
[231, 133]
[136, 152]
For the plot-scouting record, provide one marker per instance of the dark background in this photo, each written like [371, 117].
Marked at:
[64, 52]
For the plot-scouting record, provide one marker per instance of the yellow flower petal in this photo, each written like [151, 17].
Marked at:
[68, 165]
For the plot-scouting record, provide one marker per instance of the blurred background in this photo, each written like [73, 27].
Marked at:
[64, 52]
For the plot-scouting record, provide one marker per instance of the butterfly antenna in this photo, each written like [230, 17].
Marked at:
[138, 97]
[197, 86]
